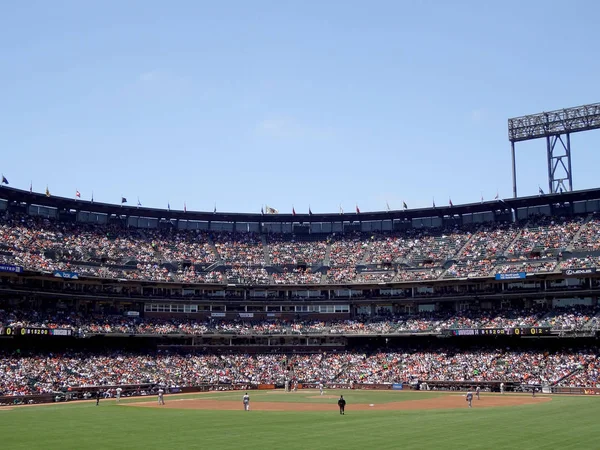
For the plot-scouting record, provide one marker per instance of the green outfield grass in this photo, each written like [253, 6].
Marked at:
[564, 423]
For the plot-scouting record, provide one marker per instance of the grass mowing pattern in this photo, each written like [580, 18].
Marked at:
[565, 423]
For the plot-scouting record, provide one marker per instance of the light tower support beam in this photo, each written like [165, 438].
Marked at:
[556, 127]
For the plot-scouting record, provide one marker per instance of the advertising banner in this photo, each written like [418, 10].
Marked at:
[69, 275]
[10, 268]
[217, 314]
[579, 272]
[397, 386]
[246, 315]
[511, 276]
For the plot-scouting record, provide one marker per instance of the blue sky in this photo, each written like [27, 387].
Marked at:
[285, 103]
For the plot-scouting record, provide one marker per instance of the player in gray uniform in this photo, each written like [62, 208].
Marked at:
[470, 399]
[477, 390]
[161, 398]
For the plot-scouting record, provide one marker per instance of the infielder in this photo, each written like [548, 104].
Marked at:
[161, 399]
[246, 402]
[119, 390]
[502, 388]
[321, 388]
[477, 390]
[470, 399]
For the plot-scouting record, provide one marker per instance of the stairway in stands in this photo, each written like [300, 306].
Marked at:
[583, 226]
[517, 237]
[266, 252]
[567, 376]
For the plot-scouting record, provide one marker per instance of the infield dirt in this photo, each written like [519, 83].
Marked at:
[443, 402]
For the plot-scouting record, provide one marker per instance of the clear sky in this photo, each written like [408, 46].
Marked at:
[320, 103]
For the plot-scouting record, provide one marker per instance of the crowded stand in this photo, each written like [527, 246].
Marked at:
[470, 268]
[565, 318]
[240, 248]
[527, 267]
[348, 250]
[534, 245]
[588, 236]
[418, 275]
[25, 374]
[489, 242]
[284, 250]
[296, 276]
[543, 235]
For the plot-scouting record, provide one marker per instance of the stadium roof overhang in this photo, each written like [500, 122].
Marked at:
[66, 204]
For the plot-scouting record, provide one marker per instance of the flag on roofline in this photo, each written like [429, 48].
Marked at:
[357, 210]
[262, 210]
[123, 200]
[92, 196]
[293, 211]
[47, 192]
[387, 205]
[139, 203]
[309, 211]
[497, 196]
[450, 202]
[404, 205]
[341, 209]
[215, 208]
[169, 206]
[433, 202]
[77, 193]
[482, 197]
[540, 190]
[4, 180]
[271, 210]
[31, 187]
[184, 207]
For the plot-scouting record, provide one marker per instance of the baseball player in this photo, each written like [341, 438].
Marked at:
[246, 402]
[287, 385]
[161, 399]
[321, 387]
[119, 390]
[470, 399]
[342, 404]
[477, 391]
[502, 388]
[97, 398]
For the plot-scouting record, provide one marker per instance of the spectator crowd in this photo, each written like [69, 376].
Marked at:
[534, 245]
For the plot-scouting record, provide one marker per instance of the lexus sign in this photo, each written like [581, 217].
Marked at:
[579, 272]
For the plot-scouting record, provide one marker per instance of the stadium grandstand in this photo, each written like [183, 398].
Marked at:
[441, 296]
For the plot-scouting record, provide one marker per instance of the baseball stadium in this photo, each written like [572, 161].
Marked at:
[129, 327]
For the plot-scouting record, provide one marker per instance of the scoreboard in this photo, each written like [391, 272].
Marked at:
[521, 331]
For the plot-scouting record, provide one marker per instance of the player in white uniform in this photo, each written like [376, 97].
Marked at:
[502, 388]
[246, 402]
[321, 387]
[477, 392]
[161, 399]
[119, 390]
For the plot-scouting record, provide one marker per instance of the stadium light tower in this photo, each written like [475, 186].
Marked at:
[556, 127]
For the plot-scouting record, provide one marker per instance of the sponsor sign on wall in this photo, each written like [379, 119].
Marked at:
[10, 268]
[511, 276]
[579, 272]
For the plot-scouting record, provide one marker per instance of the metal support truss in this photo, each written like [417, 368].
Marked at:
[558, 171]
[557, 127]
